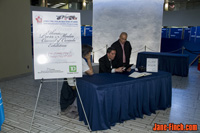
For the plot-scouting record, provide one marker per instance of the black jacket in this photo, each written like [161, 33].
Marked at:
[104, 65]
[118, 61]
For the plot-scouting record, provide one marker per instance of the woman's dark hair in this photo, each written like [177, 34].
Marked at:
[86, 49]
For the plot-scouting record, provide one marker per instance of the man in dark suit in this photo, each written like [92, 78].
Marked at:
[105, 62]
[123, 51]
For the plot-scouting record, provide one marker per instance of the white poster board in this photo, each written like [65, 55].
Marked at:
[152, 65]
[57, 45]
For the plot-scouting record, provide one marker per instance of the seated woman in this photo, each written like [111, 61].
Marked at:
[68, 91]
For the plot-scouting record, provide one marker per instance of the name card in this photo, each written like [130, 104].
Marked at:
[152, 65]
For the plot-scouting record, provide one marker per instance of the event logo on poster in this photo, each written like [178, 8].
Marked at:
[38, 19]
[66, 17]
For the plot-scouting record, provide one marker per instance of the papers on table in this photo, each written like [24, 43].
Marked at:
[138, 74]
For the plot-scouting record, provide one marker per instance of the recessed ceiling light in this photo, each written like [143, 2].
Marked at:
[56, 6]
[62, 3]
[84, 3]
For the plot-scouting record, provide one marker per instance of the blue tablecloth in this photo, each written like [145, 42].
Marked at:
[176, 64]
[111, 98]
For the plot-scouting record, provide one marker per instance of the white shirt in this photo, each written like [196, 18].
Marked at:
[85, 67]
[112, 69]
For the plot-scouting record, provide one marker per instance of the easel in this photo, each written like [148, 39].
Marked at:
[41, 82]
[198, 56]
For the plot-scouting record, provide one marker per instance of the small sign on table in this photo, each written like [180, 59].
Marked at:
[152, 65]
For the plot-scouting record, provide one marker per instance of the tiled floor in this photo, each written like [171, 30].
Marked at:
[19, 97]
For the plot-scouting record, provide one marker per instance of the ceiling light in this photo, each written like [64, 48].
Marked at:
[84, 3]
[62, 3]
[166, 6]
[56, 5]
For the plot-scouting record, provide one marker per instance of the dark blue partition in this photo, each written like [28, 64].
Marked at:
[82, 30]
[187, 33]
[88, 31]
[164, 33]
[171, 45]
[86, 40]
[198, 34]
[87, 37]
[193, 34]
[176, 33]
[167, 32]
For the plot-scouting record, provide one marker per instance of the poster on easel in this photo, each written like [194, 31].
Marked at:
[56, 45]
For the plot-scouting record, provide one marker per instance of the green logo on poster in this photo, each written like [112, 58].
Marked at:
[72, 68]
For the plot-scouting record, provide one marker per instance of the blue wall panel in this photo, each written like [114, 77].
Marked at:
[193, 34]
[187, 33]
[176, 33]
[88, 31]
[82, 30]
[164, 33]
[198, 34]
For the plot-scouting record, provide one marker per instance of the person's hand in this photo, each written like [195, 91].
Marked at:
[120, 69]
[129, 69]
